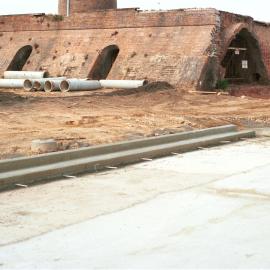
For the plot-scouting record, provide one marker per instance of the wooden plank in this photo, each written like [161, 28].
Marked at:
[237, 49]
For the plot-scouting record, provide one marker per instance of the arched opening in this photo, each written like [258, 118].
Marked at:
[20, 58]
[243, 60]
[104, 63]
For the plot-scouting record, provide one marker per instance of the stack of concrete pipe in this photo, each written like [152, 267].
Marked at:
[46, 84]
[37, 80]
[15, 79]
[67, 85]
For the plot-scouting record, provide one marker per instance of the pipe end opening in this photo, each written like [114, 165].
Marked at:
[64, 86]
[37, 85]
[48, 86]
[28, 85]
[145, 82]
[46, 74]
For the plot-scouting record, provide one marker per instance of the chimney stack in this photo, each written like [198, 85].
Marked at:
[69, 7]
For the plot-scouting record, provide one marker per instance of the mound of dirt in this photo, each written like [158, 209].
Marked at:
[148, 88]
[156, 86]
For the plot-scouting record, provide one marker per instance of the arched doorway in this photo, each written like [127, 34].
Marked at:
[243, 60]
[20, 58]
[104, 63]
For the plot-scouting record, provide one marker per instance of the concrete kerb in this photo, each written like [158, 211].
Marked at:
[120, 158]
[44, 159]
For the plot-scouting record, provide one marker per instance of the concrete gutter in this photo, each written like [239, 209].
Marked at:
[54, 165]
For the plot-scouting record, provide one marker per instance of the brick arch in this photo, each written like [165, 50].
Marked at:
[231, 33]
[231, 63]
[104, 62]
[20, 58]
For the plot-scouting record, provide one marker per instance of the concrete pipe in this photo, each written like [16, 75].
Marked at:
[39, 84]
[122, 84]
[25, 74]
[43, 146]
[11, 83]
[52, 85]
[79, 85]
[28, 85]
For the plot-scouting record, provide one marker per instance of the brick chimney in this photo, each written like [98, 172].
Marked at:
[69, 7]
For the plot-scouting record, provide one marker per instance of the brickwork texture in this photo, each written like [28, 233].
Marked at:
[183, 47]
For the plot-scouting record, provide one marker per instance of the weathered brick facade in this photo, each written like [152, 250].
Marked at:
[183, 47]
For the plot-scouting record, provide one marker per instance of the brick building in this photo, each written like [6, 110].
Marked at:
[94, 39]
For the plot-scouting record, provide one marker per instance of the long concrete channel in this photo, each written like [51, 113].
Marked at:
[28, 170]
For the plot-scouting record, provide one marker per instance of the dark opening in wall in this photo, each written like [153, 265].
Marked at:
[20, 58]
[104, 63]
[243, 61]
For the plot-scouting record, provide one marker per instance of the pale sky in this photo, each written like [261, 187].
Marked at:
[258, 9]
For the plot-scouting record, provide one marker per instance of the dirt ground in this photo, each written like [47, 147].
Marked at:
[88, 118]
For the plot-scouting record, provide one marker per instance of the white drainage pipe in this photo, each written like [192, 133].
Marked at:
[38, 85]
[28, 85]
[123, 84]
[52, 85]
[25, 74]
[77, 85]
[11, 83]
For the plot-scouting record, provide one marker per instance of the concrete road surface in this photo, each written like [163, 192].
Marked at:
[205, 209]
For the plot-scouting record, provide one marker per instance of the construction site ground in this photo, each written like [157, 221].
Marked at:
[81, 119]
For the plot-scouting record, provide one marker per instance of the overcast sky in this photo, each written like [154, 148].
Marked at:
[259, 9]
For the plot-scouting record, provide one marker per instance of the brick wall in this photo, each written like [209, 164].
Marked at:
[262, 32]
[180, 46]
[108, 19]
[171, 46]
[175, 54]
